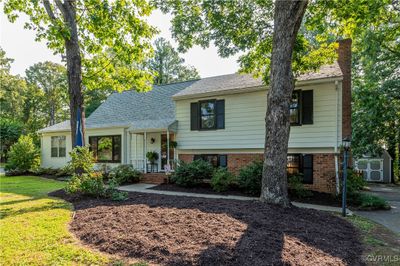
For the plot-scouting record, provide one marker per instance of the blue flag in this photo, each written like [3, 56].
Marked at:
[79, 134]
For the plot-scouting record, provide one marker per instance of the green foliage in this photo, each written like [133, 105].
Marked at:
[114, 38]
[250, 177]
[10, 130]
[113, 193]
[355, 182]
[192, 174]
[152, 156]
[87, 184]
[125, 174]
[51, 79]
[23, 155]
[367, 201]
[168, 66]
[296, 187]
[82, 160]
[222, 179]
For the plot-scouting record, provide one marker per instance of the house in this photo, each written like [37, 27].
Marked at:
[220, 119]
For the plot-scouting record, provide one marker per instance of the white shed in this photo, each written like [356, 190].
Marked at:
[375, 169]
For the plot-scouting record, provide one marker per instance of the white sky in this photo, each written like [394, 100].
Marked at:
[20, 44]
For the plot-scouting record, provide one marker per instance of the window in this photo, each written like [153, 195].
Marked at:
[106, 148]
[58, 146]
[207, 115]
[301, 108]
[301, 164]
[216, 160]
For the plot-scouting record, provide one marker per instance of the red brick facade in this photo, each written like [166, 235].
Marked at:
[323, 168]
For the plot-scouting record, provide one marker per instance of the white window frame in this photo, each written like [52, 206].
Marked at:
[58, 140]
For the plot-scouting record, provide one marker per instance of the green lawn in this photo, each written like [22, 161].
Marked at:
[33, 226]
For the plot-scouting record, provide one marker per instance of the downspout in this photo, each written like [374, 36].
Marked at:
[145, 151]
[336, 140]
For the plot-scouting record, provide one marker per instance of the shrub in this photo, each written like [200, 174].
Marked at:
[250, 177]
[67, 170]
[368, 201]
[221, 180]
[87, 184]
[46, 171]
[355, 182]
[82, 160]
[125, 174]
[113, 193]
[297, 188]
[23, 155]
[192, 174]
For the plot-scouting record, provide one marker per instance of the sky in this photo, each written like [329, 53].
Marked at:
[20, 44]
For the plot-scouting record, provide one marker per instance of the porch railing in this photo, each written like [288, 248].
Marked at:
[138, 164]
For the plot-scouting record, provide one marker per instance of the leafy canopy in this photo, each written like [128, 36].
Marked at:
[168, 65]
[243, 26]
[114, 38]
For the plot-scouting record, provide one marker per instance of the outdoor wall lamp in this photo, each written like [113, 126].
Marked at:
[152, 140]
[346, 142]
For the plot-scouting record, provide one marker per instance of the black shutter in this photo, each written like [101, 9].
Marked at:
[194, 116]
[220, 111]
[307, 168]
[307, 101]
[222, 161]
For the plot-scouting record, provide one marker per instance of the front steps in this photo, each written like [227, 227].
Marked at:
[154, 178]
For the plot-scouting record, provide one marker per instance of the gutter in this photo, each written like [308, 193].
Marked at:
[251, 89]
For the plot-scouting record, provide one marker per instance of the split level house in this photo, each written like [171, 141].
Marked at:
[219, 119]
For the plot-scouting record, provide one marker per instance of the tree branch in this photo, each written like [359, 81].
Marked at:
[61, 7]
[49, 11]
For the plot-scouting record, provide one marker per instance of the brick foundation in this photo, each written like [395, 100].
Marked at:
[323, 168]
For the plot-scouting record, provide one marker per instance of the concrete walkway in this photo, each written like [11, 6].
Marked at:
[2, 172]
[144, 188]
[389, 218]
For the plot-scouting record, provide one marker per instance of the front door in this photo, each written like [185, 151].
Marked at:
[164, 150]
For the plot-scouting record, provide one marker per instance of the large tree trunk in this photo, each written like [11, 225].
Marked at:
[74, 70]
[287, 19]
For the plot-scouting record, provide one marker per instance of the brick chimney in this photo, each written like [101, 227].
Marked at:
[344, 60]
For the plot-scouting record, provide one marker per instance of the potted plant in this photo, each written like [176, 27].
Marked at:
[152, 156]
[172, 144]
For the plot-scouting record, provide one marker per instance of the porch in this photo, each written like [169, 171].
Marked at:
[160, 141]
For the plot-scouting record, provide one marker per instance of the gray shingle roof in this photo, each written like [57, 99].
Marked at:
[155, 109]
[226, 83]
[152, 109]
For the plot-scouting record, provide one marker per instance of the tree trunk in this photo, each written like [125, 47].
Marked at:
[74, 70]
[287, 19]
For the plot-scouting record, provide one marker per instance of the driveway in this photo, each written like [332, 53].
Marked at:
[391, 218]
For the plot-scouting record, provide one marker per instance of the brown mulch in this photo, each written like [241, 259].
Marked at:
[316, 197]
[172, 230]
[204, 188]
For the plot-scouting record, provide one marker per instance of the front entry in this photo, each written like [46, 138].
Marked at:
[164, 150]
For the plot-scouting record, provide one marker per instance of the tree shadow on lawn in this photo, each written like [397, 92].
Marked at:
[173, 230]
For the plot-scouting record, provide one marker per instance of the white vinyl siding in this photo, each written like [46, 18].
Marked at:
[245, 120]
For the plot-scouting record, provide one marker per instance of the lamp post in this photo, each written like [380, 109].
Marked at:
[346, 146]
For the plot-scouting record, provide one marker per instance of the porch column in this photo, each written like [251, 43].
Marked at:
[145, 150]
[168, 148]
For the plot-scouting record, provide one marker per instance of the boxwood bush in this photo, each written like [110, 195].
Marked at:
[192, 174]
[124, 173]
[250, 177]
[222, 179]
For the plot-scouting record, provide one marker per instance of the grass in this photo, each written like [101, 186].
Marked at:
[382, 246]
[33, 226]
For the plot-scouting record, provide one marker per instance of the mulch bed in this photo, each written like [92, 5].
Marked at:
[200, 189]
[173, 230]
[316, 198]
